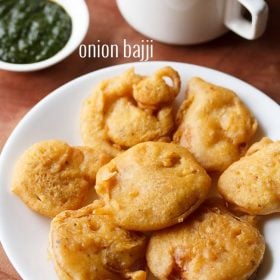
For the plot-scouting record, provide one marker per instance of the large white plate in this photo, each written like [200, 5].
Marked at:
[24, 234]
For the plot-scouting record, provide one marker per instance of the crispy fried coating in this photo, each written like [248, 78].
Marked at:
[152, 185]
[212, 244]
[129, 109]
[214, 125]
[153, 91]
[93, 159]
[52, 176]
[253, 183]
[86, 244]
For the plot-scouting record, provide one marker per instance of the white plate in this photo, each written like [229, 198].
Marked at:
[24, 234]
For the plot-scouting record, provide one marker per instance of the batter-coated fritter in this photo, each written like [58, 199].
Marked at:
[129, 109]
[253, 182]
[51, 176]
[214, 125]
[87, 245]
[212, 244]
[152, 185]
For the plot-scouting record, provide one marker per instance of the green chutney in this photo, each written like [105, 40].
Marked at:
[32, 30]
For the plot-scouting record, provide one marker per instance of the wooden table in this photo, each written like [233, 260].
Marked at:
[256, 62]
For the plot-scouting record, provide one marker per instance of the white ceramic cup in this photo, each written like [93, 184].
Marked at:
[194, 21]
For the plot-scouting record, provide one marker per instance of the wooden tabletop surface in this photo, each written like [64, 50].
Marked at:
[256, 62]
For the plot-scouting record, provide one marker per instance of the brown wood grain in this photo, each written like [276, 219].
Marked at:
[256, 62]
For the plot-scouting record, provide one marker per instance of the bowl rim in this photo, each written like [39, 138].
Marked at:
[73, 42]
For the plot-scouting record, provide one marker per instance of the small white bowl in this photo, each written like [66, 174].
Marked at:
[78, 11]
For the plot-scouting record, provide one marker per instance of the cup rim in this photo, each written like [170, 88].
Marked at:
[79, 13]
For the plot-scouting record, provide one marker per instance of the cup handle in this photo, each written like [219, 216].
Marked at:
[243, 27]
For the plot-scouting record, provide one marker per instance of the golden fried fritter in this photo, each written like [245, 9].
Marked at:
[214, 125]
[211, 244]
[92, 161]
[86, 244]
[152, 185]
[51, 176]
[130, 109]
[153, 91]
[253, 182]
